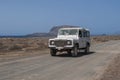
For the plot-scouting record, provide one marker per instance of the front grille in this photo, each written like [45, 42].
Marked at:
[60, 43]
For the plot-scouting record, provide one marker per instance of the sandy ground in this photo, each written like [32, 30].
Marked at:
[112, 72]
[91, 66]
[7, 56]
[12, 50]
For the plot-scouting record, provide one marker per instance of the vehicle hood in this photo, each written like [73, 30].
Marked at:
[66, 37]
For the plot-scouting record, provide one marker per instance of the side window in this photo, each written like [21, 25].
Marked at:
[80, 33]
[88, 34]
[84, 34]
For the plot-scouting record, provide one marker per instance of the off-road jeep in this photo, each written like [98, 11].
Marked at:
[71, 40]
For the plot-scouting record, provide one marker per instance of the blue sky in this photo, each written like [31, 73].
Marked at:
[20, 17]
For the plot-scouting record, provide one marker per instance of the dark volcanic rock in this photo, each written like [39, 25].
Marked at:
[55, 29]
[52, 33]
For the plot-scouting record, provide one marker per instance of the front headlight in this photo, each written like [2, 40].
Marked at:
[69, 42]
[52, 42]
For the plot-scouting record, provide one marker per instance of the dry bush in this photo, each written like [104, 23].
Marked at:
[15, 47]
[97, 39]
[10, 44]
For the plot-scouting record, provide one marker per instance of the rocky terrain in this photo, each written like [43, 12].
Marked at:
[37, 43]
[98, 39]
[22, 44]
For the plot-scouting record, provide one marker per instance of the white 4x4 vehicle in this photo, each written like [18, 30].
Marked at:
[70, 40]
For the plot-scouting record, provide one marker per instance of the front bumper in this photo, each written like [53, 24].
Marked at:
[62, 48]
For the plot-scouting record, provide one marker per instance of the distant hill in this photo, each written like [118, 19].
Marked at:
[52, 33]
[39, 35]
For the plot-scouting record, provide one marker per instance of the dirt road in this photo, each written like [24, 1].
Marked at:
[62, 67]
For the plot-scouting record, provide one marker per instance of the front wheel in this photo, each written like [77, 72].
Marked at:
[87, 49]
[53, 52]
[75, 51]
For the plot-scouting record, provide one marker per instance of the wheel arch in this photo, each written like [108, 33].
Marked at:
[88, 44]
[76, 44]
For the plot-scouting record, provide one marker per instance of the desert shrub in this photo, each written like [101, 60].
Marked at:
[10, 44]
[15, 47]
[1, 44]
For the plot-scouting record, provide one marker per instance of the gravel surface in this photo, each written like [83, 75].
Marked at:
[113, 70]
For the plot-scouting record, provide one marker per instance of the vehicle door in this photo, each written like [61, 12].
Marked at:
[88, 36]
[80, 39]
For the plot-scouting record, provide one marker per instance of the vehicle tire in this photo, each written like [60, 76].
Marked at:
[87, 49]
[75, 51]
[53, 52]
[69, 51]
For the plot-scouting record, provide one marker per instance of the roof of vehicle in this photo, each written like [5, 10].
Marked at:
[75, 28]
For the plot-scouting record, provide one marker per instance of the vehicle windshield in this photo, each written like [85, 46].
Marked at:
[68, 32]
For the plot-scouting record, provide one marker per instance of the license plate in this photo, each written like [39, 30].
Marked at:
[59, 48]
